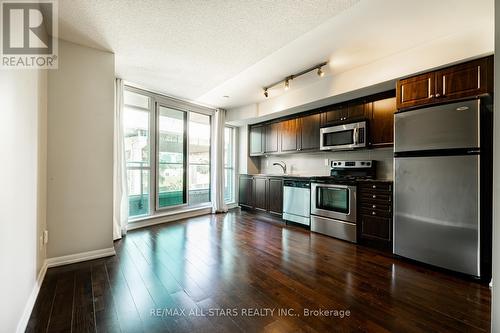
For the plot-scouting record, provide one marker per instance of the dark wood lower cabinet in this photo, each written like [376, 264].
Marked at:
[375, 214]
[275, 195]
[246, 191]
[261, 193]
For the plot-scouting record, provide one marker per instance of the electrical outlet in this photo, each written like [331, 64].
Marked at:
[45, 236]
[326, 162]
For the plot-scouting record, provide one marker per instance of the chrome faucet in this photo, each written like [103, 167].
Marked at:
[283, 166]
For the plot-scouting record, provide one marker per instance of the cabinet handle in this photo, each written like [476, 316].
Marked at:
[374, 206]
[431, 96]
[374, 213]
[438, 95]
[374, 186]
[374, 196]
[478, 77]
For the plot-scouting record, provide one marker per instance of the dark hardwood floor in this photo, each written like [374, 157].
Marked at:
[242, 264]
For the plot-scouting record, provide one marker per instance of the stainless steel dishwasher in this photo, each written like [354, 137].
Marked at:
[297, 201]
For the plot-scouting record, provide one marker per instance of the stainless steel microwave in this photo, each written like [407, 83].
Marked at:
[343, 137]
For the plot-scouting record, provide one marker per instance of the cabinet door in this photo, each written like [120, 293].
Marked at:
[356, 111]
[464, 80]
[382, 122]
[271, 138]
[256, 140]
[276, 195]
[376, 227]
[245, 191]
[260, 193]
[309, 132]
[289, 135]
[337, 114]
[417, 90]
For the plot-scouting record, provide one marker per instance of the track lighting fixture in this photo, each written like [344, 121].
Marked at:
[287, 80]
[320, 72]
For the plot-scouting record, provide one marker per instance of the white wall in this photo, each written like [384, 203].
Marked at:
[23, 106]
[373, 77]
[313, 164]
[495, 308]
[80, 151]
[245, 164]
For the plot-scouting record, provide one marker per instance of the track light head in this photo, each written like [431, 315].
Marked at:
[266, 94]
[287, 84]
[320, 72]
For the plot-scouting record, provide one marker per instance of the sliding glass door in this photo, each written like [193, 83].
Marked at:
[171, 158]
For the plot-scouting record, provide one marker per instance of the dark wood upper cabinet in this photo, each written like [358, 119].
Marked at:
[470, 79]
[275, 195]
[417, 90]
[346, 112]
[356, 111]
[260, 193]
[256, 140]
[290, 135]
[337, 114]
[382, 122]
[309, 132]
[271, 137]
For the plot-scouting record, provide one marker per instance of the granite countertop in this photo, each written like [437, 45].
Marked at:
[311, 176]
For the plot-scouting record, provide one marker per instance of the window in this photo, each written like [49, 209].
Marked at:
[199, 158]
[167, 150]
[136, 123]
[171, 157]
[229, 164]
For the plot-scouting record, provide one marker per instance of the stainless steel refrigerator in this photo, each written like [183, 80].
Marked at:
[437, 197]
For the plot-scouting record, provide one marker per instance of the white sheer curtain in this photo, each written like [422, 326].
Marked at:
[120, 196]
[217, 188]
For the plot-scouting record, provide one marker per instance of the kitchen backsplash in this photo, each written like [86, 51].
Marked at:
[314, 163]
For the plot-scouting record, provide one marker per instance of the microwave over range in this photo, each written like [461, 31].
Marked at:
[343, 137]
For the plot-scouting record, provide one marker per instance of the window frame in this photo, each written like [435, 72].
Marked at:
[234, 167]
[157, 100]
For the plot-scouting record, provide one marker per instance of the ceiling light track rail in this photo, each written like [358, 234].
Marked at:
[289, 78]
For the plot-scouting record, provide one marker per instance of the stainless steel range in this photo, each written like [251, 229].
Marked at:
[333, 199]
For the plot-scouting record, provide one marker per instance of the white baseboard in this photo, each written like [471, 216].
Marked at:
[28, 308]
[153, 220]
[53, 262]
[78, 257]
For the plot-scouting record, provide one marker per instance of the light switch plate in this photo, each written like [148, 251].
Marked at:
[45, 236]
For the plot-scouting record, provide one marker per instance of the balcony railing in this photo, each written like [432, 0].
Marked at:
[139, 204]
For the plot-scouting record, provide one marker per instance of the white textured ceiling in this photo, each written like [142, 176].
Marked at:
[203, 50]
[188, 48]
